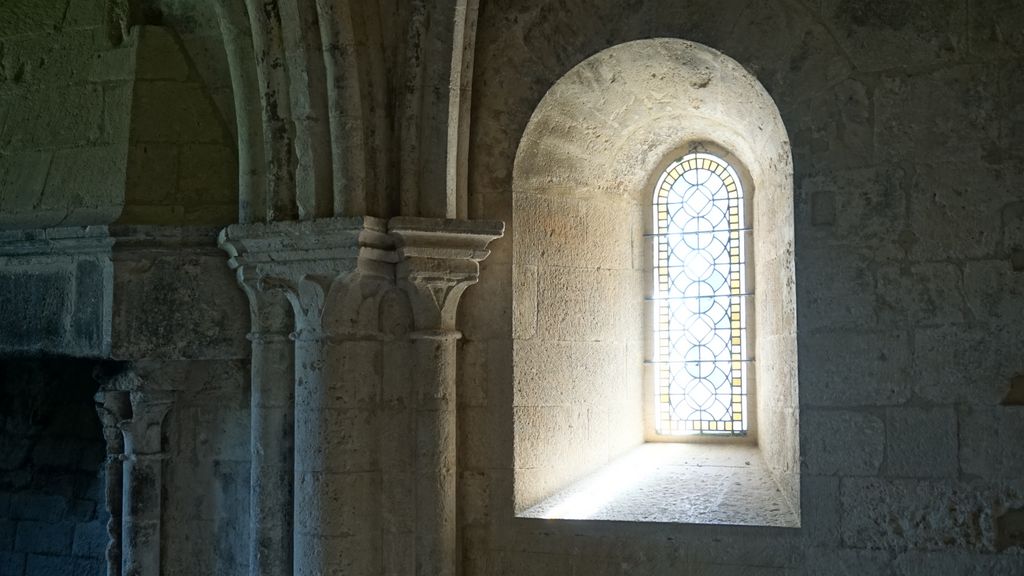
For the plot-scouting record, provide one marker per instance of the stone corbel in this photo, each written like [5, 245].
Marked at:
[438, 260]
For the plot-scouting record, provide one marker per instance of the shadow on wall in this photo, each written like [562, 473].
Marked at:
[91, 132]
[52, 518]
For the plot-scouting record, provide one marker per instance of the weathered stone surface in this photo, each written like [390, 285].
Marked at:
[34, 305]
[1015, 392]
[987, 441]
[844, 443]
[956, 364]
[551, 230]
[12, 562]
[964, 119]
[570, 303]
[994, 28]
[991, 289]
[901, 515]
[925, 563]
[41, 507]
[159, 57]
[855, 369]
[921, 442]
[43, 537]
[880, 35]
[7, 531]
[1010, 530]
[950, 220]
[853, 209]
[485, 373]
[845, 562]
[50, 566]
[821, 493]
[922, 294]
[175, 297]
[90, 540]
[586, 373]
[836, 289]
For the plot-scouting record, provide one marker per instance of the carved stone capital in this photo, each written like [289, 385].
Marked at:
[143, 433]
[113, 407]
[437, 260]
[316, 264]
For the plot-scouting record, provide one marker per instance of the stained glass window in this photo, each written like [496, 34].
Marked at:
[700, 299]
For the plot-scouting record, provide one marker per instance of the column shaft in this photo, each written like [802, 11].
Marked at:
[435, 455]
[337, 471]
[113, 408]
[272, 406]
[140, 525]
[143, 484]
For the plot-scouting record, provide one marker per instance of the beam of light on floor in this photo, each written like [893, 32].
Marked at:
[605, 485]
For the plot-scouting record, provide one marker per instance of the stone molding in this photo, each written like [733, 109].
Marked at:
[105, 240]
[314, 263]
[150, 239]
[81, 240]
[437, 260]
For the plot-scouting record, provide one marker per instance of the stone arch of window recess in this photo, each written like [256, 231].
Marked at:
[582, 185]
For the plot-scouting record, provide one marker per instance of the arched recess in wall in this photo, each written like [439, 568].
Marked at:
[582, 183]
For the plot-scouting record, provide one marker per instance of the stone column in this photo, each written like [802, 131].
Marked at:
[113, 407]
[334, 272]
[143, 482]
[272, 408]
[438, 260]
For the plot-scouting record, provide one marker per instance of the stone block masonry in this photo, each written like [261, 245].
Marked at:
[62, 144]
[905, 120]
[51, 484]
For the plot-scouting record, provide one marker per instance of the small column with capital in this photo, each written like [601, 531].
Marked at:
[143, 482]
[438, 260]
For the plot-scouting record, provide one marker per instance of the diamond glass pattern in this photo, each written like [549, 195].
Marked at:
[700, 298]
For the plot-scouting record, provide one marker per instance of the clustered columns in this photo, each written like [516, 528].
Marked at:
[337, 273]
[133, 429]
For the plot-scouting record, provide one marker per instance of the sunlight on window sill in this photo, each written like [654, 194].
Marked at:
[679, 483]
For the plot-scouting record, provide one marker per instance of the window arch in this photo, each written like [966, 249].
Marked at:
[583, 301]
[700, 292]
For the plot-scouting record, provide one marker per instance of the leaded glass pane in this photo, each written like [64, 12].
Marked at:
[700, 298]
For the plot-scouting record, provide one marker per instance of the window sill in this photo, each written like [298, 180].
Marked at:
[679, 483]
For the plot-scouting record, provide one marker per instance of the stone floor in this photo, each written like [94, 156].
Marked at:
[679, 483]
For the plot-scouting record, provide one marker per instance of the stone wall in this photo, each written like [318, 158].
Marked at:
[181, 166]
[904, 124]
[55, 292]
[65, 92]
[905, 121]
[184, 321]
[162, 302]
[52, 518]
[100, 121]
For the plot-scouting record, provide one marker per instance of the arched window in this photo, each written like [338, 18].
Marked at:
[700, 298]
[636, 196]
